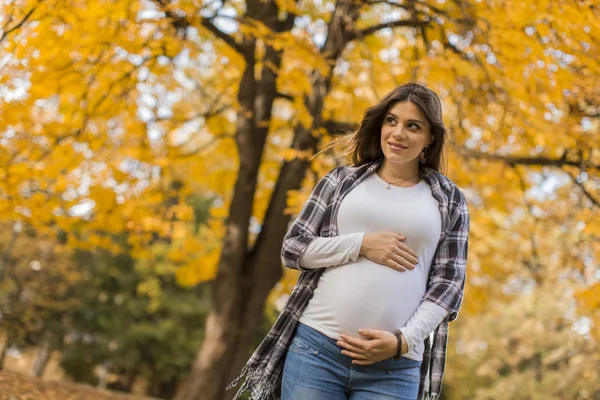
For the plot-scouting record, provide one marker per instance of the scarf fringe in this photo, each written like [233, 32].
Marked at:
[238, 379]
[260, 386]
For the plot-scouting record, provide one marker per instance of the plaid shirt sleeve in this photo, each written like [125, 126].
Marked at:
[307, 225]
[448, 270]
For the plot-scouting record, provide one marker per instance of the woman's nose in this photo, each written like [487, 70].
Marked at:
[399, 132]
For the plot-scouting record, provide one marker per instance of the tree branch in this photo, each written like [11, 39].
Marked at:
[465, 56]
[584, 190]
[539, 161]
[207, 145]
[6, 31]
[284, 96]
[181, 22]
[393, 24]
[221, 35]
[534, 265]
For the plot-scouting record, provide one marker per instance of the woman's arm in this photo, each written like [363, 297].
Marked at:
[376, 345]
[306, 227]
[425, 319]
[329, 252]
[446, 283]
[386, 248]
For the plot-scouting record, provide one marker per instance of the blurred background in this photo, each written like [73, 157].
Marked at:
[153, 153]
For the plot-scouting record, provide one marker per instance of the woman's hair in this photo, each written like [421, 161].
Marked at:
[365, 145]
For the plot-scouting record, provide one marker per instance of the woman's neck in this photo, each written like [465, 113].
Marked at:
[393, 174]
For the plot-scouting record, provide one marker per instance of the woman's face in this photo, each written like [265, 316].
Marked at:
[405, 132]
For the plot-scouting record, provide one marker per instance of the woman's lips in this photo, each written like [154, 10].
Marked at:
[397, 147]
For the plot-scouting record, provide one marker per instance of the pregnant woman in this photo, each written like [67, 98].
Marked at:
[382, 246]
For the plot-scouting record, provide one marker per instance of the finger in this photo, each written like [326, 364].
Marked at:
[363, 362]
[370, 333]
[409, 251]
[354, 349]
[400, 263]
[403, 252]
[390, 262]
[356, 342]
[405, 260]
[355, 356]
[398, 236]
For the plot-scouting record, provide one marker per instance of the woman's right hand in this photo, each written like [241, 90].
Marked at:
[388, 248]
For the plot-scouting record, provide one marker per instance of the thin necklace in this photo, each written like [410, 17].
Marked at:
[388, 184]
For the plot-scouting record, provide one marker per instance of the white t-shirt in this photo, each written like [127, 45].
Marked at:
[355, 292]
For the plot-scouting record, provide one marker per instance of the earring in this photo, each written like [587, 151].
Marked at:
[423, 156]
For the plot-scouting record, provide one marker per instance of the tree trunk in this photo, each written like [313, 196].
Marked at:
[130, 378]
[159, 388]
[126, 380]
[40, 361]
[4, 260]
[103, 375]
[7, 346]
[245, 278]
[164, 389]
[239, 303]
[225, 328]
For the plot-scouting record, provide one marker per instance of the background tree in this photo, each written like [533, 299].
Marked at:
[36, 292]
[133, 335]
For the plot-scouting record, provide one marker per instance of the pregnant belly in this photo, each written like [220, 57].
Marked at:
[365, 294]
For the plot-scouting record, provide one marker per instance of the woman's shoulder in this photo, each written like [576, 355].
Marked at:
[343, 171]
[449, 187]
[340, 172]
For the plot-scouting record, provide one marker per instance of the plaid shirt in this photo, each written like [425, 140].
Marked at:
[318, 218]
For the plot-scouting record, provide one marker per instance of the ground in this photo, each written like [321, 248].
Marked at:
[19, 387]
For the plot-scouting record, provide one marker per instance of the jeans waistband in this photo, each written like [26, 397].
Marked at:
[328, 346]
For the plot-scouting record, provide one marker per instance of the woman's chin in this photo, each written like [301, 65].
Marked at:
[399, 159]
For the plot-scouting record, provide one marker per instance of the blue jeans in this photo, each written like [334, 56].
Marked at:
[315, 369]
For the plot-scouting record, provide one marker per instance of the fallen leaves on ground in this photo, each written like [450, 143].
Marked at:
[19, 387]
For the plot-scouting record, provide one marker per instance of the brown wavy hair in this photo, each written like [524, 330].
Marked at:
[365, 144]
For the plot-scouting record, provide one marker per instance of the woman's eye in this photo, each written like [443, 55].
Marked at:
[390, 120]
[413, 126]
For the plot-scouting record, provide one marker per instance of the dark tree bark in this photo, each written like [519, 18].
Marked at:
[42, 356]
[5, 259]
[7, 345]
[227, 329]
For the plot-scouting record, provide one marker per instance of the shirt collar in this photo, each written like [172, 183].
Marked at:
[431, 176]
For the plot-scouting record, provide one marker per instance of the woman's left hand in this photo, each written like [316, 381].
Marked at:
[374, 346]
